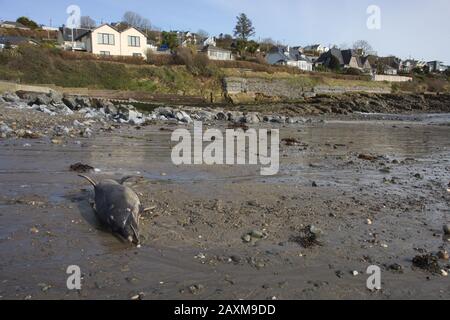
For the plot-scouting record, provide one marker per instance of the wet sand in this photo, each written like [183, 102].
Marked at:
[193, 236]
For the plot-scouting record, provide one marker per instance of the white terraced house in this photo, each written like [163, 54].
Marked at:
[106, 40]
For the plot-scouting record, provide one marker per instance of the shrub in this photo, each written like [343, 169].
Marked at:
[160, 59]
[353, 71]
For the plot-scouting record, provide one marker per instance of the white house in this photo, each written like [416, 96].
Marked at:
[215, 53]
[316, 48]
[106, 40]
[291, 57]
[13, 25]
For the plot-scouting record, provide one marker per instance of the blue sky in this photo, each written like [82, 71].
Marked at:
[416, 28]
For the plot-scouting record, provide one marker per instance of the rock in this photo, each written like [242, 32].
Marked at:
[43, 99]
[443, 255]
[2, 100]
[444, 273]
[111, 109]
[221, 116]
[86, 133]
[11, 97]
[316, 231]
[204, 115]
[247, 238]
[70, 103]
[5, 130]
[446, 229]
[44, 109]
[427, 262]
[278, 119]
[164, 111]
[183, 117]
[369, 222]
[81, 167]
[55, 97]
[396, 267]
[235, 116]
[196, 289]
[56, 141]
[340, 274]
[367, 157]
[64, 110]
[61, 130]
[355, 273]
[83, 102]
[256, 234]
[252, 117]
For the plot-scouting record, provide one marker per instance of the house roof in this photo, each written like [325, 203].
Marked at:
[284, 54]
[344, 57]
[15, 24]
[15, 40]
[108, 25]
[66, 33]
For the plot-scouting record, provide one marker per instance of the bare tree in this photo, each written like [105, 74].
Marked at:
[87, 22]
[364, 46]
[202, 34]
[134, 19]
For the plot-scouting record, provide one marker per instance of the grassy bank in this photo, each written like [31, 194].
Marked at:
[34, 65]
[180, 75]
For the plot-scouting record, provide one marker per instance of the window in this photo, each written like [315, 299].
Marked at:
[134, 41]
[136, 54]
[105, 38]
[105, 53]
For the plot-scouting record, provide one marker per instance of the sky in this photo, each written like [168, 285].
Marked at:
[408, 28]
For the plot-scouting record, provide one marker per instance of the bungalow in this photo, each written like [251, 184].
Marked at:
[388, 70]
[215, 53]
[408, 65]
[317, 48]
[436, 66]
[14, 41]
[66, 38]
[346, 58]
[287, 56]
[13, 25]
[106, 40]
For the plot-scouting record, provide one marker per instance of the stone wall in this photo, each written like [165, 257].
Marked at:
[391, 78]
[240, 90]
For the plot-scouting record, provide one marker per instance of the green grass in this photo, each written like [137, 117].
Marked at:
[35, 65]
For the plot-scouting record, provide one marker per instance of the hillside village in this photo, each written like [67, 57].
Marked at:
[131, 39]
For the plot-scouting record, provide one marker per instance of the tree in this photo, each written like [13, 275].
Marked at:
[202, 34]
[27, 22]
[170, 39]
[252, 47]
[334, 64]
[244, 27]
[266, 44]
[134, 19]
[87, 22]
[363, 46]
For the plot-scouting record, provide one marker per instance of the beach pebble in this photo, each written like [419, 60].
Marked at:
[447, 229]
